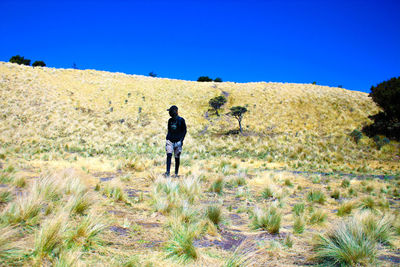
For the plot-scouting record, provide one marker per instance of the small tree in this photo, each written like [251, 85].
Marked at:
[38, 64]
[387, 122]
[218, 80]
[217, 102]
[204, 79]
[20, 60]
[152, 74]
[238, 112]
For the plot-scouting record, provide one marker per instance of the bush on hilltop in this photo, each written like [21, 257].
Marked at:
[38, 63]
[20, 60]
[204, 79]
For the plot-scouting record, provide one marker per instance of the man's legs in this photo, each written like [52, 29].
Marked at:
[169, 149]
[177, 161]
[169, 156]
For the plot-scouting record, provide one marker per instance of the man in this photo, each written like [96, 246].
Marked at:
[175, 136]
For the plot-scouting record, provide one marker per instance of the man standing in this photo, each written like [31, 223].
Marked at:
[176, 135]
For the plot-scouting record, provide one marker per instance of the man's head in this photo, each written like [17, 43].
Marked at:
[173, 111]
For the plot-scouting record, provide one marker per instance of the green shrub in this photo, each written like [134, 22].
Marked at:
[380, 142]
[204, 79]
[269, 220]
[368, 203]
[299, 225]
[346, 244]
[387, 122]
[217, 186]
[267, 193]
[180, 245]
[345, 183]
[218, 80]
[298, 208]
[20, 60]
[316, 196]
[5, 196]
[378, 228]
[288, 182]
[217, 102]
[335, 194]
[317, 217]
[238, 112]
[38, 64]
[214, 214]
[345, 209]
[356, 135]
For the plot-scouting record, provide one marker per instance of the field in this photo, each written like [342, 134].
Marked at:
[82, 156]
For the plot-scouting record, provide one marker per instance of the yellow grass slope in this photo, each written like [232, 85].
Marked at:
[96, 109]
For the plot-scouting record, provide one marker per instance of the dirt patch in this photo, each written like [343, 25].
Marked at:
[229, 241]
[119, 230]
[148, 225]
[236, 219]
[391, 258]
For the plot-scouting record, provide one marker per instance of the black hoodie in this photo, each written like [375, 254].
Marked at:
[176, 129]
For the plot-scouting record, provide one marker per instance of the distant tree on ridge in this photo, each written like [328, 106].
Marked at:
[20, 60]
[38, 63]
[204, 79]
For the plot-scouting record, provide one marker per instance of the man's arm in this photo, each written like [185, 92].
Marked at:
[183, 129]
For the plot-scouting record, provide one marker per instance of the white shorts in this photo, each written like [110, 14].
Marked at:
[175, 148]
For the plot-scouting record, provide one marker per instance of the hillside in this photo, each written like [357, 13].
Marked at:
[105, 133]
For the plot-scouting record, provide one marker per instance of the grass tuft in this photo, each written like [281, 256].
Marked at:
[269, 220]
[50, 238]
[298, 208]
[345, 208]
[299, 225]
[214, 214]
[180, 245]
[217, 186]
[316, 196]
[346, 244]
[317, 217]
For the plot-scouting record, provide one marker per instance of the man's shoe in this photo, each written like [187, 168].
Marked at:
[166, 174]
[176, 176]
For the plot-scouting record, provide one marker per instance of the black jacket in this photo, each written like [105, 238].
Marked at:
[176, 129]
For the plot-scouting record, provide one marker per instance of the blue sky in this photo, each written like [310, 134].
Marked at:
[351, 43]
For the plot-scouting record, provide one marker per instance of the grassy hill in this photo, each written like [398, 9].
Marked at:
[84, 149]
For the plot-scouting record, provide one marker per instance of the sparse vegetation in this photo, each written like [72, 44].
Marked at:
[65, 155]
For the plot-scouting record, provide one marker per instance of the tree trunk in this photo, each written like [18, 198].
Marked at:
[240, 126]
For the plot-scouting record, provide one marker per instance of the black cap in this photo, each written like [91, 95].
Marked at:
[173, 108]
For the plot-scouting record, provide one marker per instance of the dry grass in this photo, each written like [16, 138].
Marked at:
[83, 152]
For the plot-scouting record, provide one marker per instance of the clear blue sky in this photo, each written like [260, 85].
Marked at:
[351, 43]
